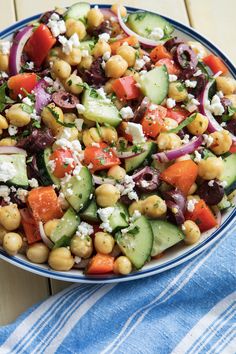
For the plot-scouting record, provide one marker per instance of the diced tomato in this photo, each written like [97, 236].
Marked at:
[172, 68]
[202, 216]
[122, 132]
[30, 226]
[232, 149]
[21, 84]
[215, 64]
[152, 122]
[125, 88]
[131, 40]
[101, 158]
[44, 204]
[39, 44]
[101, 264]
[177, 113]
[159, 52]
[181, 174]
[64, 162]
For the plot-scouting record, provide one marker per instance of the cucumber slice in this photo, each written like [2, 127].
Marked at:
[98, 110]
[119, 218]
[224, 204]
[78, 11]
[144, 22]
[87, 45]
[136, 161]
[155, 83]
[45, 173]
[19, 163]
[80, 188]
[229, 173]
[66, 228]
[165, 235]
[90, 213]
[137, 246]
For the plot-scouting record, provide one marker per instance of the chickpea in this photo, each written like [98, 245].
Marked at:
[210, 168]
[12, 243]
[61, 69]
[74, 58]
[38, 253]
[89, 123]
[4, 62]
[17, 116]
[133, 73]
[232, 98]
[73, 26]
[61, 259]
[49, 119]
[170, 123]
[198, 48]
[226, 84]
[3, 122]
[103, 242]
[100, 48]
[222, 142]
[115, 67]
[91, 136]
[137, 205]
[50, 226]
[191, 231]
[70, 117]
[86, 62]
[107, 195]
[70, 134]
[10, 217]
[122, 265]
[7, 142]
[117, 172]
[73, 83]
[192, 189]
[168, 141]
[123, 10]
[95, 17]
[54, 54]
[81, 247]
[3, 232]
[109, 134]
[154, 206]
[108, 86]
[199, 125]
[177, 91]
[128, 53]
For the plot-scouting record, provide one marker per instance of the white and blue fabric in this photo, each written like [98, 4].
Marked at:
[187, 310]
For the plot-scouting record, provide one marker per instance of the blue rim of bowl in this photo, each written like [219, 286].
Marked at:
[158, 268]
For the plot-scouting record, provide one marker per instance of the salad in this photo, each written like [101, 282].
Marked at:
[118, 140]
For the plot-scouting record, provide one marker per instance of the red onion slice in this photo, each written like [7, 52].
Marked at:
[170, 155]
[12, 150]
[45, 239]
[147, 42]
[107, 13]
[17, 48]
[41, 96]
[101, 180]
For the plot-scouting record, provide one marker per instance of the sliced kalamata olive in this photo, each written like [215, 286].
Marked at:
[140, 111]
[176, 196]
[231, 126]
[46, 16]
[173, 42]
[95, 76]
[65, 100]
[201, 83]
[148, 180]
[185, 57]
[104, 27]
[174, 213]
[37, 140]
[125, 200]
[211, 191]
[186, 74]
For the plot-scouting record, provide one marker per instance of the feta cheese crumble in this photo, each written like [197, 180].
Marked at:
[197, 157]
[7, 171]
[27, 101]
[12, 130]
[80, 108]
[208, 140]
[4, 193]
[216, 106]
[106, 56]
[172, 78]
[139, 64]
[191, 205]
[51, 165]
[136, 130]
[157, 33]
[56, 25]
[22, 194]
[69, 44]
[170, 103]
[104, 214]
[5, 47]
[191, 84]
[104, 37]
[197, 73]
[211, 183]
[84, 229]
[79, 124]
[126, 187]
[33, 183]
[126, 112]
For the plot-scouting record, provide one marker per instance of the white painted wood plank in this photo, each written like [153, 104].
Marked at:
[172, 8]
[7, 13]
[58, 285]
[18, 291]
[216, 20]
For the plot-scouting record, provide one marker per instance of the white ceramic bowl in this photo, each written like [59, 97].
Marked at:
[175, 255]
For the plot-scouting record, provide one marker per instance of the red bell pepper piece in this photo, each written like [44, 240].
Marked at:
[21, 84]
[152, 121]
[30, 226]
[101, 264]
[177, 113]
[160, 52]
[202, 216]
[60, 156]
[101, 158]
[215, 64]
[39, 44]
[172, 68]
[125, 88]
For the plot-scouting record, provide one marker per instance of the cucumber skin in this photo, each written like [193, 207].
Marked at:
[135, 162]
[19, 162]
[229, 174]
[70, 13]
[45, 176]
[73, 221]
[90, 213]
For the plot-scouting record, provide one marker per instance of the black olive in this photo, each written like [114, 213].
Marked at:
[185, 57]
[213, 193]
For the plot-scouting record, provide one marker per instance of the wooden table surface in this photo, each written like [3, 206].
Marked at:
[213, 18]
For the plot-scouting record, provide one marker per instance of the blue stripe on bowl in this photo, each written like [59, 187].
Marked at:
[158, 268]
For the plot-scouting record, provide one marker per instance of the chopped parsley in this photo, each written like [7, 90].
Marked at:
[4, 99]
[183, 124]
[226, 117]
[140, 16]
[27, 108]
[57, 118]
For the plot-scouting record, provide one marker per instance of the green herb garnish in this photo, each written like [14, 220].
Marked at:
[187, 121]
[140, 16]
[57, 118]
[4, 99]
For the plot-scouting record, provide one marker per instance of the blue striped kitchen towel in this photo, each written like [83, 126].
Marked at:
[187, 310]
